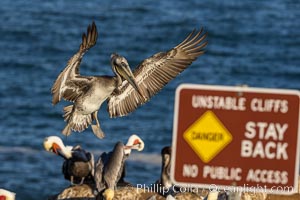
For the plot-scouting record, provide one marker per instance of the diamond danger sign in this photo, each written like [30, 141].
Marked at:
[236, 138]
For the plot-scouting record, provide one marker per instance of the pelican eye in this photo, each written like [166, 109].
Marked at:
[122, 64]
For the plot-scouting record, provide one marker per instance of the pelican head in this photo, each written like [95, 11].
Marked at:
[134, 142]
[54, 144]
[7, 195]
[121, 68]
[108, 194]
[166, 155]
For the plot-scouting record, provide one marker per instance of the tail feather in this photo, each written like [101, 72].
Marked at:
[75, 121]
[80, 122]
[67, 112]
[67, 130]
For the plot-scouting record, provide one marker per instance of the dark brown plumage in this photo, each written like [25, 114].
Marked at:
[79, 168]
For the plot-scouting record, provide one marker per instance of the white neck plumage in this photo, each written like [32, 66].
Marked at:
[134, 142]
[67, 151]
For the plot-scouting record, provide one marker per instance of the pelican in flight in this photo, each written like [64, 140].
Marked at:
[110, 166]
[78, 164]
[126, 90]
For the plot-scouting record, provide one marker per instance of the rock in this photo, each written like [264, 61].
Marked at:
[76, 192]
[85, 192]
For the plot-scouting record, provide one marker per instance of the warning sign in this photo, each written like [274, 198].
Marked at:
[207, 136]
[236, 137]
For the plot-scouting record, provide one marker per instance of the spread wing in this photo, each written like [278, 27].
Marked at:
[69, 84]
[155, 72]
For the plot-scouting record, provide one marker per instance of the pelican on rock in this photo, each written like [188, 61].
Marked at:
[78, 165]
[164, 185]
[110, 166]
[126, 90]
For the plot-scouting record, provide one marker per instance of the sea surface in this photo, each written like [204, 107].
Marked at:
[250, 42]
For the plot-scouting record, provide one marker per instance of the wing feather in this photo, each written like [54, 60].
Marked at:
[99, 170]
[114, 167]
[155, 72]
[69, 80]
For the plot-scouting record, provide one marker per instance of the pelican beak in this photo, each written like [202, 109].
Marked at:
[125, 72]
[137, 144]
[57, 150]
[127, 150]
[127, 147]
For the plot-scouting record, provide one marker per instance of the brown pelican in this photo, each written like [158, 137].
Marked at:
[167, 188]
[7, 195]
[126, 90]
[78, 163]
[164, 185]
[165, 179]
[109, 166]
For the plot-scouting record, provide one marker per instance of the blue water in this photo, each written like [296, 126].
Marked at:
[250, 42]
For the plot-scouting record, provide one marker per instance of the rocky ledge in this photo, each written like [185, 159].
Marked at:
[86, 192]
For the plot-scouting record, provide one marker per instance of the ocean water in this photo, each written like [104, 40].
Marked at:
[250, 42]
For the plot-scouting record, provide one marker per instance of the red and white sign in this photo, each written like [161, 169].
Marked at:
[236, 138]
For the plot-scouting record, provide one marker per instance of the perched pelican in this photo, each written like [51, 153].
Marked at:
[126, 90]
[165, 179]
[109, 166]
[78, 163]
[167, 188]
[7, 195]
[164, 185]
